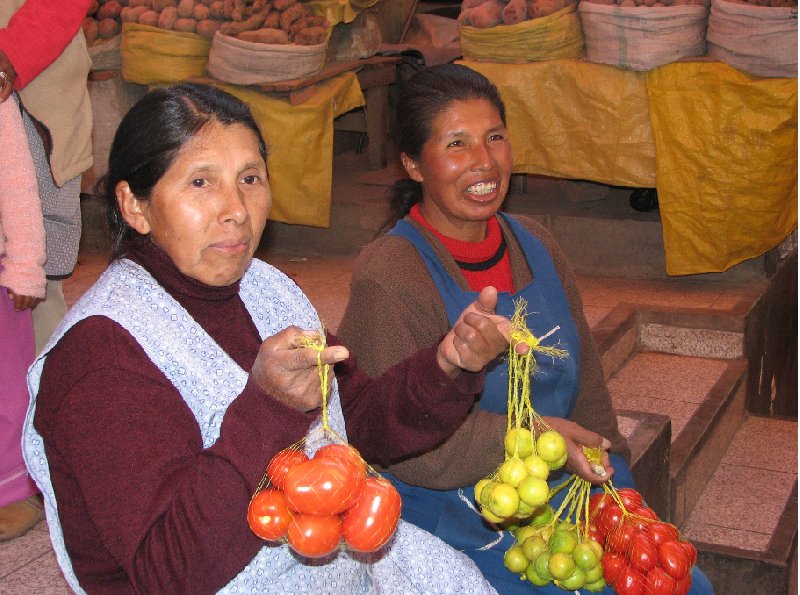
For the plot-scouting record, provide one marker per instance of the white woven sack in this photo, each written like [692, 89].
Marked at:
[761, 40]
[248, 63]
[642, 38]
[105, 55]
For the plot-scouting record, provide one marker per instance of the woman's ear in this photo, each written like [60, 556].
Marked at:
[411, 167]
[131, 208]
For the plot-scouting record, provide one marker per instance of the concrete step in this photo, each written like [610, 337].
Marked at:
[684, 365]
[744, 523]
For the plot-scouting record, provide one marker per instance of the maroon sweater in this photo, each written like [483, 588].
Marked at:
[143, 506]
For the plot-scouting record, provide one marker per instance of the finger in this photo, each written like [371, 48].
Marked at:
[487, 300]
[5, 92]
[334, 355]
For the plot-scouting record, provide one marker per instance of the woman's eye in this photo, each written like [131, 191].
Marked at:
[456, 143]
[253, 179]
[198, 182]
[497, 137]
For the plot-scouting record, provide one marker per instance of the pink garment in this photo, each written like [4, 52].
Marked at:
[17, 350]
[21, 269]
[22, 250]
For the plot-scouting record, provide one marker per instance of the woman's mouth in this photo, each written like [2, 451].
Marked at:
[238, 246]
[482, 188]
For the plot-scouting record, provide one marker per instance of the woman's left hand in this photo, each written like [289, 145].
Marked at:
[7, 82]
[23, 302]
[577, 437]
[478, 336]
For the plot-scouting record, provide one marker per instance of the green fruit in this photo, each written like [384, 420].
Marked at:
[574, 581]
[512, 472]
[519, 442]
[533, 546]
[542, 565]
[542, 516]
[562, 542]
[551, 446]
[561, 566]
[593, 574]
[553, 465]
[503, 499]
[534, 576]
[479, 490]
[585, 556]
[524, 532]
[596, 586]
[537, 466]
[515, 560]
[534, 491]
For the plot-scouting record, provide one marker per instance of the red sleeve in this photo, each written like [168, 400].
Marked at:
[140, 499]
[38, 33]
[407, 410]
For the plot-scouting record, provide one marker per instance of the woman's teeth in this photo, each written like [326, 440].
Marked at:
[482, 188]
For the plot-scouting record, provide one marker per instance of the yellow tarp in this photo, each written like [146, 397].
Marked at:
[152, 56]
[300, 144]
[720, 146]
[572, 119]
[726, 163]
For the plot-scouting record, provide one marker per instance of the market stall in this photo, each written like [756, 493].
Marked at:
[294, 91]
[719, 145]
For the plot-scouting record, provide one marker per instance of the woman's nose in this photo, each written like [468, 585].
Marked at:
[481, 156]
[234, 207]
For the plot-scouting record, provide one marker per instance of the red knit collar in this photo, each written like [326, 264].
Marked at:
[465, 251]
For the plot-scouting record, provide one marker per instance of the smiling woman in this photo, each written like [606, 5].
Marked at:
[182, 371]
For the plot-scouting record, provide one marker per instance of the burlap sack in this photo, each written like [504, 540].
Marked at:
[105, 55]
[642, 38]
[547, 38]
[248, 63]
[151, 55]
[760, 40]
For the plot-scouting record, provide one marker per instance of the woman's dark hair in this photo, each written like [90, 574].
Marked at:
[423, 97]
[150, 136]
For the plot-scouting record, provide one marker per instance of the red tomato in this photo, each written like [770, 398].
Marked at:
[268, 515]
[648, 514]
[281, 463]
[630, 498]
[683, 586]
[620, 537]
[612, 563]
[661, 532]
[629, 582]
[658, 582]
[323, 486]
[343, 452]
[673, 559]
[372, 520]
[691, 552]
[598, 503]
[643, 554]
[610, 517]
[314, 536]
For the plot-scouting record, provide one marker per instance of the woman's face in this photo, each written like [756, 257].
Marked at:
[464, 168]
[208, 210]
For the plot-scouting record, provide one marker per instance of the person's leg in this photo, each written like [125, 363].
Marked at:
[48, 313]
[20, 509]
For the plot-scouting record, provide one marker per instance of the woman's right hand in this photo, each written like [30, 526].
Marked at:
[287, 371]
[577, 437]
[11, 75]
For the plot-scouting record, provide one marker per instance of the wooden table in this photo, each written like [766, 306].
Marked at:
[374, 74]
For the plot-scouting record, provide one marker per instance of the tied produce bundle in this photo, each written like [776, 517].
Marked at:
[518, 488]
[560, 546]
[642, 553]
[320, 502]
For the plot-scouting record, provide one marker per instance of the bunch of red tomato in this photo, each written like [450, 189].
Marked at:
[642, 554]
[317, 503]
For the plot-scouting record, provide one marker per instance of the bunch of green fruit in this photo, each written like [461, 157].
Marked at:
[519, 486]
[556, 551]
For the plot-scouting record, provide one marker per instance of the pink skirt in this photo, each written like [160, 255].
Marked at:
[17, 351]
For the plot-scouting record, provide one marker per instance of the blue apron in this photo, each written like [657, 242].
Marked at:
[448, 514]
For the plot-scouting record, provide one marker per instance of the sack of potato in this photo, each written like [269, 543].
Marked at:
[756, 36]
[643, 34]
[277, 40]
[514, 31]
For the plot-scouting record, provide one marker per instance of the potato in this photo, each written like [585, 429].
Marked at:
[160, 5]
[274, 36]
[201, 12]
[488, 14]
[273, 20]
[234, 28]
[167, 18]
[132, 14]
[283, 4]
[149, 18]
[310, 36]
[93, 8]
[290, 15]
[107, 28]
[207, 28]
[138, 3]
[185, 8]
[215, 10]
[109, 10]
[90, 29]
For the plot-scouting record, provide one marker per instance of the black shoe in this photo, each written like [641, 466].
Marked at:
[644, 199]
